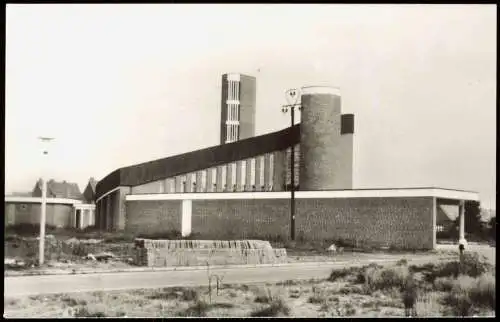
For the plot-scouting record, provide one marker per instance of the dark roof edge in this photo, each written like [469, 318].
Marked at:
[198, 160]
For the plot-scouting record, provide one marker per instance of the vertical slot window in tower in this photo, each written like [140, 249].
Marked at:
[252, 173]
[243, 174]
[261, 160]
[183, 183]
[204, 180]
[213, 173]
[233, 176]
[224, 177]
[271, 171]
[193, 182]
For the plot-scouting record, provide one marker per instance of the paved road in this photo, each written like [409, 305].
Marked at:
[53, 284]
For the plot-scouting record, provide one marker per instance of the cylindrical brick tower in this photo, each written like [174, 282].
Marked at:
[319, 137]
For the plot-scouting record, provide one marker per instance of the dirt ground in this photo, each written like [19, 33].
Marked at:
[307, 299]
[315, 298]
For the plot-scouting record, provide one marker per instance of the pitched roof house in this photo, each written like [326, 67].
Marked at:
[89, 192]
[56, 189]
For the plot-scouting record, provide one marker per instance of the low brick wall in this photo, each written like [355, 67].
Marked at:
[167, 253]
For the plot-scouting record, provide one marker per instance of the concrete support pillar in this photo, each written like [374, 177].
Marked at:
[248, 175]
[210, 180]
[267, 172]
[461, 236]
[219, 181]
[178, 184]
[434, 218]
[239, 176]
[109, 212]
[199, 182]
[279, 171]
[229, 178]
[258, 171]
[97, 216]
[121, 221]
[104, 213]
[186, 217]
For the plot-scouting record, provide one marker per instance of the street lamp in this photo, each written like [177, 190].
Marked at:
[292, 97]
[45, 151]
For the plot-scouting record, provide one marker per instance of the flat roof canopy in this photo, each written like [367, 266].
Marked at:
[15, 199]
[441, 193]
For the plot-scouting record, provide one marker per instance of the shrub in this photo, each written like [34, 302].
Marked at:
[264, 296]
[402, 262]
[470, 294]
[190, 295]
[386, 278]
[342, 273]
[361, 272]
[79, 250]
[277, 307]
[482, 293]
[472, 265]
[198, 309]
[70, 301]
[349, 309]
[319, 296]
[84, 312]
[443, 284]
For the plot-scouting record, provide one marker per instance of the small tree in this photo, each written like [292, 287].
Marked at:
[472, 218]
[492, 227]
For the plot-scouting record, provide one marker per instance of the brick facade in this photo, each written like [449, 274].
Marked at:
[153, 216]
[240, 219]
[397, 222]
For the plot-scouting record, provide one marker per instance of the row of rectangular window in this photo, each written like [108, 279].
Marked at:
[188, 183]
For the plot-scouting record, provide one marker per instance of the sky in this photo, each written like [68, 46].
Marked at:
[122, 84]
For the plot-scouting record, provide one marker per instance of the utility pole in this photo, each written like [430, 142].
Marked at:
[41, 250]
[292, 96]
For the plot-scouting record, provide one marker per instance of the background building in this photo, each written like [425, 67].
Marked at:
[238, 97]
[67, 207]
